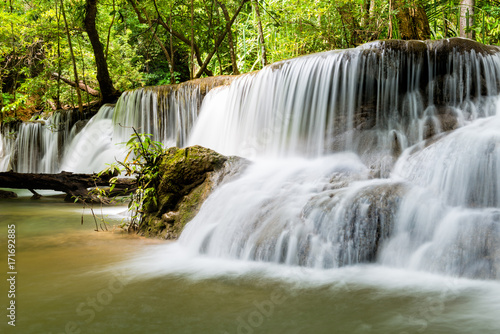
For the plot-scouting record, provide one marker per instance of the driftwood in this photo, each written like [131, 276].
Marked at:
[74, 185]
[81, 85]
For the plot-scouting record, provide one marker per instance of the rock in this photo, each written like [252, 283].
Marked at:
[169, 217]
[366, 219]
[7, 194]
[188, 176]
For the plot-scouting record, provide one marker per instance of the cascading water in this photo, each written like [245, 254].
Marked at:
[381, 97]
[450, 221]
[407, 193]
[437, 210]
[62, 142]
[36, 146]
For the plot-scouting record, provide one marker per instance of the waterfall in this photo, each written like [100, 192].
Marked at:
[92, 147]
[386, 153]
[375, 100]
[419, 190]
[64, 141]
[36, 146]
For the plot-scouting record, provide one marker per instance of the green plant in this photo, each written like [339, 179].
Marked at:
[143, 162]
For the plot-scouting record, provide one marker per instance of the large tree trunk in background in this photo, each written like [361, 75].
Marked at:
[108, 91]
[466, 12]
[413, 22]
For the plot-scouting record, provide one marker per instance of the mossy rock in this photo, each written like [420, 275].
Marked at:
[187, 177]
[181, 171]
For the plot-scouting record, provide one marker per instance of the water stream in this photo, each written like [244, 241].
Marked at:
[372, 203]
[111, 282]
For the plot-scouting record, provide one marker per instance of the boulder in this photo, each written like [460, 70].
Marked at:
[187, 177]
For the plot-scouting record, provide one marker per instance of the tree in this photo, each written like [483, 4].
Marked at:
[108, 91]
[141, 39]
[413, 22]
[229, 37]
[262, 41]
[467, 18]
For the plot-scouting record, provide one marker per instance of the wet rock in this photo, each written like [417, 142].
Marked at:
[357, 222]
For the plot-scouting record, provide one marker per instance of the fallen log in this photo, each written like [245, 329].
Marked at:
[76, 186]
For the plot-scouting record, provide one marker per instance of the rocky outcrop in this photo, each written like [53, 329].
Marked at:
[435, 76]
[366, 215]
[187, 177]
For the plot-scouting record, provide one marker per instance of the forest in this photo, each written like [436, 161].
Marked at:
[64, 54]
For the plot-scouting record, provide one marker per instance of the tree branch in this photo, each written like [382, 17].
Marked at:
[80, 85]
[220, 39]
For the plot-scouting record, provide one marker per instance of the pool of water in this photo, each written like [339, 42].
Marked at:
[72, 279]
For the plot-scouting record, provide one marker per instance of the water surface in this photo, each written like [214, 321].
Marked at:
[72, 279]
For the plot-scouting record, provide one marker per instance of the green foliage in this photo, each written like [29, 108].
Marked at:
[16, 104]
[139, 40]
[142, 162]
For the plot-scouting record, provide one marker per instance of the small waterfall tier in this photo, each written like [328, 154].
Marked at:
[66, 142]
[375, 100]
[439, 211]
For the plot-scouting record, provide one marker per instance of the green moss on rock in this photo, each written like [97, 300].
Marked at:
[187, 177]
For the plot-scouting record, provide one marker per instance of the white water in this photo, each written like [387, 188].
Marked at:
[60, 143]
[438, 212]
[433, 208]
[351, 100]
[93, 147]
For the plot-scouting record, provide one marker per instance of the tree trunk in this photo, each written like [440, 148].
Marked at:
[391, 8]
[191, 58]
[230, 38]
[109, 30]
[108, 91]
[413, 22]
[255, 4]
[162, 46]
[219, 41]
[173, 32]
[172, 58]
[467, 18]
[79, 96]
[58, 96]
[74, 185]
[346, 12]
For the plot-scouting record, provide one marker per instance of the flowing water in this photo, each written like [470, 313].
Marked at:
[371, 204]
[112, 282]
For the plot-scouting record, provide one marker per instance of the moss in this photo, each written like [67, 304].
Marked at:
[185, 182]
[152, 227]
[191, 204]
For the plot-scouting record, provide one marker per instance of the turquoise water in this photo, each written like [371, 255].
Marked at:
[72, 279]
